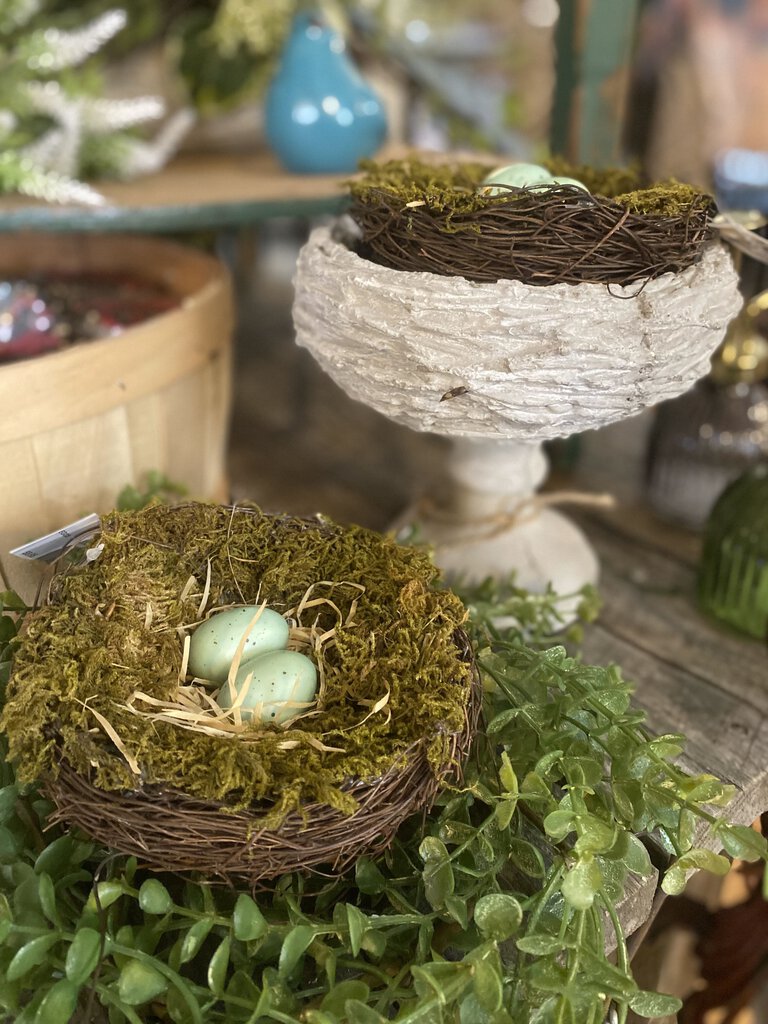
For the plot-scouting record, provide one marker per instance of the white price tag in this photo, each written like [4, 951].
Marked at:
[49, 547]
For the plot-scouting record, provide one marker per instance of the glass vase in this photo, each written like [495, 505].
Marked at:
[733, 572]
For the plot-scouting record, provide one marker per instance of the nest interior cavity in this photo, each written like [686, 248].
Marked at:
[424, 217]
[384, 634]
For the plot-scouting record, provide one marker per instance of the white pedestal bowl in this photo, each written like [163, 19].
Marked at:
[503, 367]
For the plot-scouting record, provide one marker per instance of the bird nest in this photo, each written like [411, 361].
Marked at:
[421, 217]
[139, 755]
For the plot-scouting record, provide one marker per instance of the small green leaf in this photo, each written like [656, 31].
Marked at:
[375, 943]
[453, 833]
[673, 882]
[505, 811]
[498, 916]
[295, 945]
[320, 1017]
[526, 857]
[432, 850]
[550, 760]
[488, 986]
[439, 883]
[582, 883]
[47, 893]
[368, 878]
[107, 893]
[83, 955]
[138, 983]
[707, 789]
[9, 846]
[540, 945]
[59, 1003]
[686, 830]
[194, 939]
[8, 797]
[11, 601]
[637, 859]
[247, 920]
[154, 898]
[595, 836]
[357, 923]
[743, 842]
[217, 967]
[362, 1014]
[669, 745]
[559, 823]
[654, 1004]
[56, 857]
[242, 986]
[31, 954]
[507, 775]
[500, 721]
[334, 1001]
[457, 908]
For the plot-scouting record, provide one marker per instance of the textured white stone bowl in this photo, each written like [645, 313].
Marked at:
[536, 362]
[502, 368]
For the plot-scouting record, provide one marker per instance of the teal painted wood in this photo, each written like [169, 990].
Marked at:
[588, 112]
[610, 35]
[164, 219]
[566, 79]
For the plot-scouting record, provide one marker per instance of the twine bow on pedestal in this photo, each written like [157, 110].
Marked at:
[490, 526]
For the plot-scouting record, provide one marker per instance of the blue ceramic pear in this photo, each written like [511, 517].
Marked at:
[321, 117]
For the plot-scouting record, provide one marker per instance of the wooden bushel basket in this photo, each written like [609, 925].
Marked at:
[79, 424]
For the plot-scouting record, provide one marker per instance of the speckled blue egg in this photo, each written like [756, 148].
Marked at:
[282, 685]
[215, 641]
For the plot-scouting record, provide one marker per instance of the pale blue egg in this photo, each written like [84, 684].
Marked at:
[517, 175]
[571, 181]
[215, 641]
[282, 685]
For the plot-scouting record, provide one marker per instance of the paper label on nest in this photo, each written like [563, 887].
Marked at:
[518, 361]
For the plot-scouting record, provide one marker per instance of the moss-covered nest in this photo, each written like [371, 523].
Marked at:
[394, 677]
[434, 217]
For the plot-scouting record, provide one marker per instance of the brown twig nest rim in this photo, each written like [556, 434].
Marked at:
[433, 219]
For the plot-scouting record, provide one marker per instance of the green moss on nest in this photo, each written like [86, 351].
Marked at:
[452, 189]
[92, 648]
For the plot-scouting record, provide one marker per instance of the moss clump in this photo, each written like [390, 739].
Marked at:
[114, 628]
[451, 190]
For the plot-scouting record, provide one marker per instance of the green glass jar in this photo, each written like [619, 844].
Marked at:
[733, 572]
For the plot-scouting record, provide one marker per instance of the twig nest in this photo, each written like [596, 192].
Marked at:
[507, 359]
[143, 756]
[544, 226]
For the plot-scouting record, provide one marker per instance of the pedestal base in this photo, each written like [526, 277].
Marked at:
[488, 521]
[544, 549]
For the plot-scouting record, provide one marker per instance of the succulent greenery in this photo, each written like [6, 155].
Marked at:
[497, 908]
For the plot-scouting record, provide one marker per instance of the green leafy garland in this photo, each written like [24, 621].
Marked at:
[496, 909]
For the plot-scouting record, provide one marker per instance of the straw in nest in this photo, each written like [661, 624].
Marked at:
[433, 218]
[139, 757]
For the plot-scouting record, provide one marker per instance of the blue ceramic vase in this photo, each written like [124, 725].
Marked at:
[321, 117]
